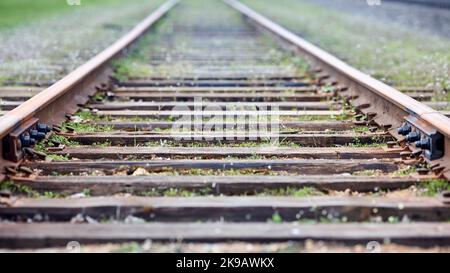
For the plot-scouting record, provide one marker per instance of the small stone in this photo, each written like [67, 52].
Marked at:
[134, 220]
[78, 219]
[140, 172]
[78, 195]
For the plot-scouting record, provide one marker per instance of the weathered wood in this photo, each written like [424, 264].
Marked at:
[439, 105]
[228, 185]
[9, 105]
[217, 83]
[300, 125]
[15, 97]
[231, 90]
[263, 96]
[420, 96]
[14, 90]
[220, 113]
[302, 166]
[271, 77]
[417, 89]
[313, 140]
[227, 208]
[57, 234]
[171, 105]
[89, 152]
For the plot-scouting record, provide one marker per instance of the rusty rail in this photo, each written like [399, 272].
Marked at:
[393, 109]
[52, 104]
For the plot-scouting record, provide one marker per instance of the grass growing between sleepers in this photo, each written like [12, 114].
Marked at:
[434, 186]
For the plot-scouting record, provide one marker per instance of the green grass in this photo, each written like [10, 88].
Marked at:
[276, 218]
[434, 187]
[392, 53]
[18, 189]
[405, 171]
[173, 192]
[54, 157]
[294, 192]
[16, 12]
[133, 247]
[63, 140]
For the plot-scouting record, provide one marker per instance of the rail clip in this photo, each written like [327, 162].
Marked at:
[424, 137]
[26, 135]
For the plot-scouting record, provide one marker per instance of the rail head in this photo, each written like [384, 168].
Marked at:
[52, 104]
[394, 109]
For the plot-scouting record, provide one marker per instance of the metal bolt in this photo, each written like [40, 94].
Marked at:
[37, 135]
[404, 130]
[413, 136]
[25, 140]
[423, 143]
[43, 128]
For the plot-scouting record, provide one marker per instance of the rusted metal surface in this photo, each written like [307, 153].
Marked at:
[391, 106]
[52, 104]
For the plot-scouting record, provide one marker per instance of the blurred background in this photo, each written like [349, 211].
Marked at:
[401, 42]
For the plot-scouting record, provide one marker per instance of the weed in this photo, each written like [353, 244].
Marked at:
[405, 171]
[434, 186]
[18, 188]
[55, 157]
[276, 218]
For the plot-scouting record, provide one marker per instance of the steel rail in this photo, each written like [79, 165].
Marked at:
[75, 79]
[392, 106]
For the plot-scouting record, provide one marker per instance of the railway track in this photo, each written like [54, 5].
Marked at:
[238, 131]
